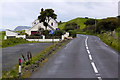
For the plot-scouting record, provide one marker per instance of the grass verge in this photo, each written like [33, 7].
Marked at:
[16, 41]
[111, 41]
[27, 69]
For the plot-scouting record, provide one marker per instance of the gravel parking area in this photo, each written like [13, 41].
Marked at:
[10, 55]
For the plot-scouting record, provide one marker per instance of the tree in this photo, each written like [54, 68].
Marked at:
[40, 31]
[118, 17]
[108, 24]
[71, 26]
[90, 22]
[46, 15]
[59, 32]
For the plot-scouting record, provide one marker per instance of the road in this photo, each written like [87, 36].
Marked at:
[10, 55]
[83, 57]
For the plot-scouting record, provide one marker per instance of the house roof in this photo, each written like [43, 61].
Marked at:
[10, 30]
[39, 22]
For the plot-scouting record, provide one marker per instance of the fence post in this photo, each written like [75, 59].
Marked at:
[19, 67]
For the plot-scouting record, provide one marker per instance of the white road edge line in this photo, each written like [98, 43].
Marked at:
[94, 67]
[90, 57]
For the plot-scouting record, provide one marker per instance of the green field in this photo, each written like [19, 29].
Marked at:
[80, 21]
[2, 34]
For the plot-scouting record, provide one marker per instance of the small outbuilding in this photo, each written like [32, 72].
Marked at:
[13, 34]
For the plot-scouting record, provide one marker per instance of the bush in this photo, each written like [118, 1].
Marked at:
[108, 24]
[71, 26]
[59, 32]
[90, 22]
[72, 33]
[46, 32]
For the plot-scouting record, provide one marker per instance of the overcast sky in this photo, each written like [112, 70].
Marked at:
[15, 13]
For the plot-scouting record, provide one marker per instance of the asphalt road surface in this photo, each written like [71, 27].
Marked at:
[10, 55]
[83, 57]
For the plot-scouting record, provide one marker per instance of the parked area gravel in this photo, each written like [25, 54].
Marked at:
[10, 55]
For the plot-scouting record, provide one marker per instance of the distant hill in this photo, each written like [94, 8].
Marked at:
[20, 28]
[2, 29]
[80, 21]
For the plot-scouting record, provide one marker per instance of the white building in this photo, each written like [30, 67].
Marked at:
[12, 34]
[52, 25]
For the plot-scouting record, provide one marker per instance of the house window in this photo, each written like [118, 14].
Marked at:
[34, 22]
[51, 24]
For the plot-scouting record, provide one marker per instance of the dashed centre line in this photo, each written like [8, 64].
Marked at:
[90, 57]
[94, 67]
[86, 47]
[88, 52]
[92, 63]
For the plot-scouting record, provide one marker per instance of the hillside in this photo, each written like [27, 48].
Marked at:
[80, 21]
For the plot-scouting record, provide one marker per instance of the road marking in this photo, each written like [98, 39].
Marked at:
[90, 57]
[94, 67]
[88, 52]
[92, 63]
[99, 78]
[86, 47]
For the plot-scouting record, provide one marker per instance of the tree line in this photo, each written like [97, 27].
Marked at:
[103, 25]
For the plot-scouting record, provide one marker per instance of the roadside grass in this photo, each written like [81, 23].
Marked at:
[2, 34]
[110, 41]
[13, 73]
[16, 41]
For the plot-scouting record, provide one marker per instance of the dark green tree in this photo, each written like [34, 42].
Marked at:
[108, 24]
[90, 22]
[46, 15]
[71, 26]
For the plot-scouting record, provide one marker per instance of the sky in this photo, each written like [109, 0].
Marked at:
[15, 13]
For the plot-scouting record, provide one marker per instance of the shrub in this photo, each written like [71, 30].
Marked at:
[46, 32]
[90, 22]
[71, 26]
[72, 33]
[59, 32]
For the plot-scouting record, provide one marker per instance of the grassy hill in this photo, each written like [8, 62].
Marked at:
[79, 21]
[104, 37]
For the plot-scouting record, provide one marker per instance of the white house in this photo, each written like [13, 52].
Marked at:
[52, 25]
[12, 34]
